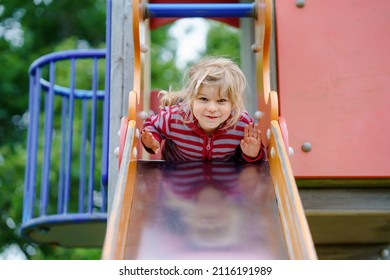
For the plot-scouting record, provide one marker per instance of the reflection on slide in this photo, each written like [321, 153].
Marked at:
[204, 210]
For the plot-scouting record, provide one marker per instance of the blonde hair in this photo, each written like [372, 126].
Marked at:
[211, 71]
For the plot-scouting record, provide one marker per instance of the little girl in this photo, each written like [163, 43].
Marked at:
[207, 120]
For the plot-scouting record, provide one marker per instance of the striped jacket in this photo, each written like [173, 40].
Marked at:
[188, 142]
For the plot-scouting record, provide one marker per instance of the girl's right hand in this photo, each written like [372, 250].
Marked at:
[149, 141]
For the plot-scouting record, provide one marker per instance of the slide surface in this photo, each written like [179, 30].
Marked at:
[207, 210]
[204, 210]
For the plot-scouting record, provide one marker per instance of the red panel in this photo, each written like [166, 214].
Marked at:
[334, 85]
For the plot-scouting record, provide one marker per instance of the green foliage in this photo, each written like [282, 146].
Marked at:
[58, 253]
[223, 40]
[30, 31]
[164, 73]
[12, 160]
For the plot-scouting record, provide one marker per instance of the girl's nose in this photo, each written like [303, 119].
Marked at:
[211, 107]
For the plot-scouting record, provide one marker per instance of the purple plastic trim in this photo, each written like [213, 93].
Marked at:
[70, 136]
[65, 55]
[48, 130]
[60, 219]
[61, 182]
[64, 91]
[82, 154]
[92, 137]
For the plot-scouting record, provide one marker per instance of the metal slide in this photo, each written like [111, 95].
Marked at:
[196, 210]
[208, 210]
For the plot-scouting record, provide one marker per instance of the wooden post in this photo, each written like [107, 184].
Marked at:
[121, 80]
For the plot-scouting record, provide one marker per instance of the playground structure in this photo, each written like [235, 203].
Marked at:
[330, 182]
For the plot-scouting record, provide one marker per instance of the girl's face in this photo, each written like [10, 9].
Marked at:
[210, 108]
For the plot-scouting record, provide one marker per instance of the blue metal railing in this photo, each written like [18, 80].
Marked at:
[66, 136]
[205, 10]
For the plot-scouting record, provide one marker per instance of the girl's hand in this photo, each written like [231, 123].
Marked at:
[251, 144]
[149, 141]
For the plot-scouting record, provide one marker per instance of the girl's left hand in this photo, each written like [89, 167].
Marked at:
[251, 144]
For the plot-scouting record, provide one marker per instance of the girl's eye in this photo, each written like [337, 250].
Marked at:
[222, 101]
[203, 99]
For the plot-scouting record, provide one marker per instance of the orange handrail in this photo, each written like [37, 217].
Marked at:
[116, 233]
[137, 50]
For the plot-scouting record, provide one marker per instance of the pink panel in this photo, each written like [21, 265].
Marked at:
[334, 85]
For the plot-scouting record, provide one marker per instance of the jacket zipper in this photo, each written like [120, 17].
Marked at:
[208, 148]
